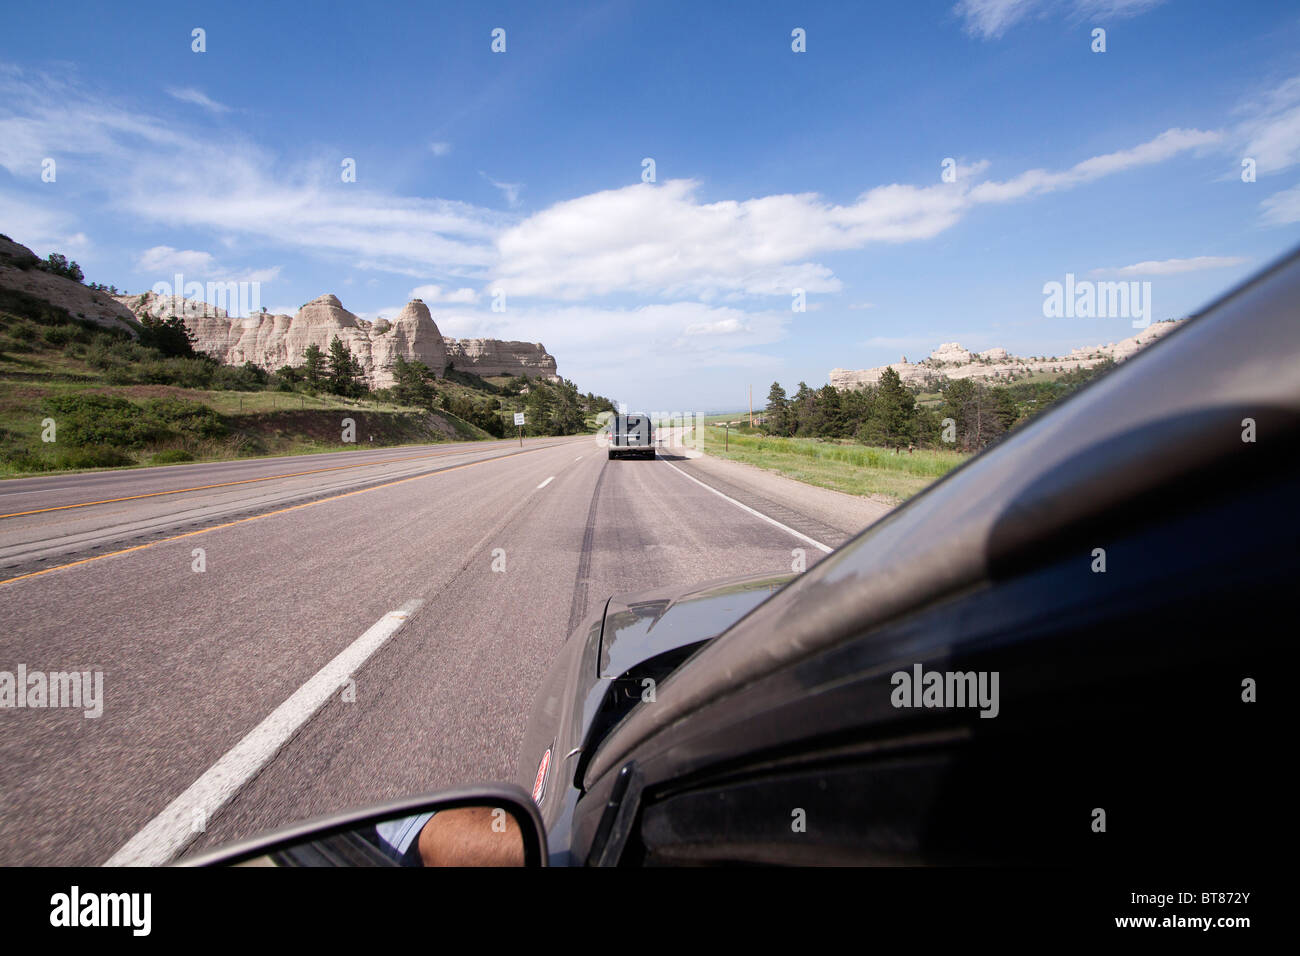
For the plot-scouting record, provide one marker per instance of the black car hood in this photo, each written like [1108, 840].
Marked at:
[641, 625]
[616, 637]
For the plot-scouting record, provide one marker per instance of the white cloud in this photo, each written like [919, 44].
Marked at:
[1282, 208]
[660, 240]
[258, 275]
[190, 95]
[609, 347]
[167, 259]
[44, 230]
[727, 326]
[509, 190]
[199, 266]
[1037, 181]
[1169, 267]
[164, 173]
[436, 293]
[440, 149]
[990, 19]
[1113, 8]
[1270, 134]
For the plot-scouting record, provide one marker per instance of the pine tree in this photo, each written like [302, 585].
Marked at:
[412, 383]
[803, 409]
[538, 412]
[893, 419]
[313, 368]
[777, 411]
[828, 420]
[344, 370]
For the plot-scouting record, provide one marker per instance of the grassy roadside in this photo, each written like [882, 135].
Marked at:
[100, 425]
[841, 466]
[148, 431]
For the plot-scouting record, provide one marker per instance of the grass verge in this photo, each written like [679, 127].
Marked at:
[841, 466]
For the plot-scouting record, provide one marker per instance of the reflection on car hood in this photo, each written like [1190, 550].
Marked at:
[647, 623]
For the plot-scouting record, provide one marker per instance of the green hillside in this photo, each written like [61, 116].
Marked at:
[110, 400]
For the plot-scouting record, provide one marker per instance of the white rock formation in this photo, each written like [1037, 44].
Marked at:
[487, 357]
[270, 340]
[952, 361]
[950, 353]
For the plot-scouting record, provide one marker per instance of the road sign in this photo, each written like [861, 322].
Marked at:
[519, 418]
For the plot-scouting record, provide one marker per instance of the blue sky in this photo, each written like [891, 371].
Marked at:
[774, 170]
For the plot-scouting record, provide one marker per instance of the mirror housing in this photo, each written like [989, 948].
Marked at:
[332, 840]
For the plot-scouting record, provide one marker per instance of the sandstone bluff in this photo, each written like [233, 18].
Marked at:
[272, 340]
[952, 361]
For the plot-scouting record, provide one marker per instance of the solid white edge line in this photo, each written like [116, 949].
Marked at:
[546, 482]
[757, 514]
[169, 832]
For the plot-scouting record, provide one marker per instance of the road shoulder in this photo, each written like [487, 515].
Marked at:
[831, 517]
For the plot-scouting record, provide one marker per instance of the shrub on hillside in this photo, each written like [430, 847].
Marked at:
[171, 456]
[57, 458]
[240, 378]
[21, 331]
[85, 420]
[183, 373]
[170, 336]
[59, 335]
[29, 306]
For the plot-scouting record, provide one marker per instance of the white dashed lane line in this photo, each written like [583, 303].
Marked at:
[757, 514]
[546, 482]
[169, 832]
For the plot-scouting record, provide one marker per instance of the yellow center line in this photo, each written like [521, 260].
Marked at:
[306, 504]
[241, 481]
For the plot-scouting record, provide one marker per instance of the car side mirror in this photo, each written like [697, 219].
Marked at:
[492, 825]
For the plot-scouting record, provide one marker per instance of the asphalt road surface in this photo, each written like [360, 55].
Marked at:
[284, 638]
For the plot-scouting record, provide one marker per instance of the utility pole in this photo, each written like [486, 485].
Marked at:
[751, 406]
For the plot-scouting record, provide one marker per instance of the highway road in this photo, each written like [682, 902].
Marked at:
[283, 638]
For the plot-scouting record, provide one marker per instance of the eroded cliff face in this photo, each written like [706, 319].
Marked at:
[413, 335]
[271, 340]
[494, 357]
[952, 361]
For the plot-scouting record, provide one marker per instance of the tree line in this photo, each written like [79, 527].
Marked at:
[969, 416]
